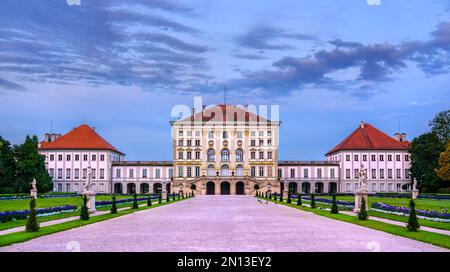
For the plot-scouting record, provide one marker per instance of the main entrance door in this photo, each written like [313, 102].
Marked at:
[225, 188]
[210, 188]
[240, 188]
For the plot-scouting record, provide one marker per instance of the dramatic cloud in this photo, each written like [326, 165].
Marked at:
[263, 37]
[8, 85]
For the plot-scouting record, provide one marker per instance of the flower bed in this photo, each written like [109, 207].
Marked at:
[408, 195]
[21, 197]
[121, 201]
[17, 215]
[404, 210]
[341, 203]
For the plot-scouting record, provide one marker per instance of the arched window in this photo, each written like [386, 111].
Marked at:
[239, 170]
[225, 171]
[239, 155]
[225, 155]
[211, 155]
[210, 171]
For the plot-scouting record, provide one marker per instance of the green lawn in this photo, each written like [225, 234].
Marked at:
[424, 236]
[23, 236]
[23, 204]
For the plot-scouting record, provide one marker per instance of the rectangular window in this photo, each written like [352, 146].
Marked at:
[374, 187]
[197, 171]
[170, 173]
[364, 157]
[180, 133]
[374, 173]
[269, 155]
[390, 187]
[102, 173]
[94, 173]
[180, 171]
[189, 155]
[85, 157]
[118, 173]
[280, 173]
[84, 173]
[144, 173]
[253, 155]
[77, 157]
[319, 173]
[347, 173]
[189, 171]
[374, 157]
[389, 157]
[406, 173]
[261, 155]
[131, 173]
[189, 142]
[180, 142]
[60, 173]
[347, 157]
[189, 133]
[180, 155]
[261, 171]
[397, 157]
[332, 173]
[94, 157]
[77, 173]
[239, 134]
[197, 155]
[292, 173]
[406, 157]
[399, 187]
[269, 133]
[51, 172]
[305, 173]
[381, 157]
[197, 133]
[102, 157]
[356, 157]
[252, 143]
[389, 173]
[253, 171]
[348, 185]
[60, 157]
[197, 142]
[158, 173]
[211, 135]
[253, 133]
[261, 133]
[356, 174]
[381, 173]
[225, 134]
[52, 157]
[398, 173]
[269, 142]
[67, 187]
[67, 157]
[261, 142]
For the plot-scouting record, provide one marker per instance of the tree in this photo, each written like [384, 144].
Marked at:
[114, 207]
[84, 214]
[440, 125]
[334, 207]
[149, 200]
[32, 223]
[413, 224]
[443, 172]
[425, 151]
[362, 214]
[299, 199]
[7, 168]
[135, 202]
[313, 202]
[30, 164]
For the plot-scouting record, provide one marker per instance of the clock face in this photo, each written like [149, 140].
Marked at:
[225, 143]
[239, 143]
[211, 142]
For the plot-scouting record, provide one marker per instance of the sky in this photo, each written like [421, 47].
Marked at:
[121, 66]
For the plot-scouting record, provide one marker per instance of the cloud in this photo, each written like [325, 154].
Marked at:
[249, 56]
[8, 85]
[262, 37]
[377, 64]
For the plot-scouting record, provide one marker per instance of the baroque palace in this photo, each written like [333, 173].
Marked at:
[227, 149]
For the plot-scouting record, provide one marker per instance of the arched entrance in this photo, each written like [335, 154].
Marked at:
[144, 188]
[306, 187]
[118, 188]
[193, 187]
[157, 188]
[332, 187]
[210, 188]
[225, 188]
[293, 187]
[131, 188]
[319, 187]
[240, 188]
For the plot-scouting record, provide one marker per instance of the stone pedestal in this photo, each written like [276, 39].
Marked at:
[285, 194]
[90, 201]
[415, 193]
[33, 193]
[361, 195]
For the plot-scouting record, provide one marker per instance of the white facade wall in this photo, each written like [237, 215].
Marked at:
[140, 175]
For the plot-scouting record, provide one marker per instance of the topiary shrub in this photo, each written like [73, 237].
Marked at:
[270, 195]
[32, 223]
[114, 207]
[275, 196]
[299, 199]
[334, 207]
[84, 214]
[173, 197]
[362, 214]
[167, 197]
[281, 197]
[413, 224]
[135, 203]
[313, 202]
[149, 200]
[289, 198]
[159, 199]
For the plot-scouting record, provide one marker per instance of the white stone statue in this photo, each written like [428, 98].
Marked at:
[88, 184]
[33, 191]
[362, 178]
[87, 191]
[415, 184]
[414, 192]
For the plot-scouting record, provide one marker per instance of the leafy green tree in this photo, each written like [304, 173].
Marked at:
[114, 207]
[413, 223]
[440, 125]
[135, 202]
[32, 223]
[362, 214]
[30, 164]
[313, 202]
[84, 214]
[443, 172]
[425, 151]
[334, 207]
[299, 199]
[7, 168]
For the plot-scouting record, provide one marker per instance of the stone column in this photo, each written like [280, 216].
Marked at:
[312, 189]
[326, 186]
[361, 195]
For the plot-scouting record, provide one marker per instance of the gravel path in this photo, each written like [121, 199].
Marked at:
[222, 223]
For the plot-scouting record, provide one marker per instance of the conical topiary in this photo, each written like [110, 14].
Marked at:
[135, 203]
[173, 197]
[32, 223]
[334, 207]
[299, 199]
[413, 223]
[270, 195]
[362, 214]
[84, 214]
[149, 200]
[159, 199]
[289, 198]
[281, 197]
[275, 196]
[313, 202]
[168, 197]
[113, 206]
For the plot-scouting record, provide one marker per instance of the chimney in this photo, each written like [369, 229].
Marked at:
[401, 137]
[361, 124]
[93, 128]
[57, 136]
[47, 137]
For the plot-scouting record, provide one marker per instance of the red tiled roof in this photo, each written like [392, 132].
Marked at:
[226, 113]
[82, 137]
[367, 137]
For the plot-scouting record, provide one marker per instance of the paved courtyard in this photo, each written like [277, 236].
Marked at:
[222, 223]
